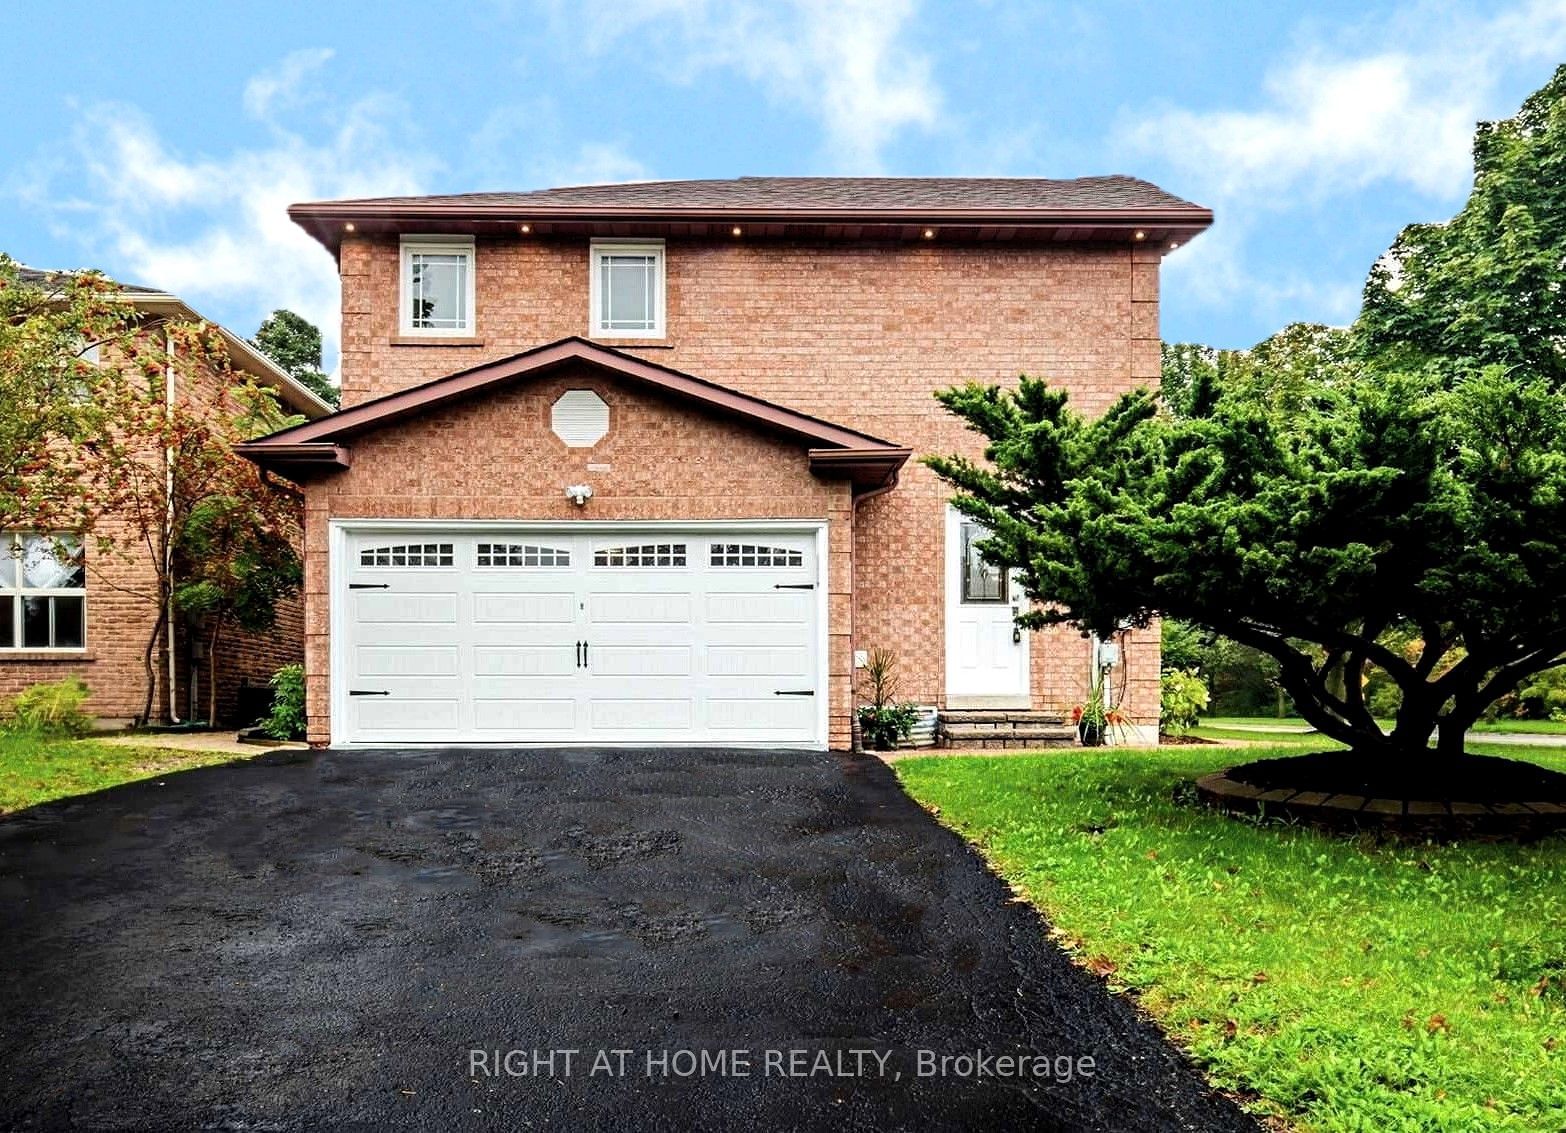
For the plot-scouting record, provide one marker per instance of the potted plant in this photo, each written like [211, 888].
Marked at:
[1092, 717]
[883, 722]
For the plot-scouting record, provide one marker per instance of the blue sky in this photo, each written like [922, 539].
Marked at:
[162, 142]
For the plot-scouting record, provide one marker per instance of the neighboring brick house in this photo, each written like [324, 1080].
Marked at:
[92, 617]
[740, 373]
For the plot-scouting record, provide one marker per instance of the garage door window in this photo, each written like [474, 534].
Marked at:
[641, 555]
[408, 555]
[755, 555]
[522, 555]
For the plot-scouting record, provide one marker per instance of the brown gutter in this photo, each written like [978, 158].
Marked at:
[873, 470]
[325, 219]
[425, 210]
[296, 458]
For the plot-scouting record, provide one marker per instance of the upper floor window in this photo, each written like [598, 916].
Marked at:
[628, 292]
[437, 286]
[43, 592]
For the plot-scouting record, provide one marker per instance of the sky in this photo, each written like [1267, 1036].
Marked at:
[162, 142]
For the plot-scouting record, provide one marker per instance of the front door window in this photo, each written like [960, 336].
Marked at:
[981, 581]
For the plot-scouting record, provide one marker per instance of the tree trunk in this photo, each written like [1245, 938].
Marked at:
[217, 625]
[149, 666]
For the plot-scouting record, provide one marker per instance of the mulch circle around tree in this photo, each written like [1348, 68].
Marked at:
[1474, 796]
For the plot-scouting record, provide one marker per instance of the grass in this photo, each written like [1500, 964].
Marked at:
[1532, 727]
[1293, 723]
[1335, 984]
[36, 770]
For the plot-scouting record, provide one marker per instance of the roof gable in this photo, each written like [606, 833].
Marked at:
[323, 443]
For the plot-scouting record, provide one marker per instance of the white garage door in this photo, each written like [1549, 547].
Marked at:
[551, 637]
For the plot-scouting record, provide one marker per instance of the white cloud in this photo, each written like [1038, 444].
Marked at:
[280, 85]
[1332, 120]
[845, 62]
[527, 145]
[1390, 103]
[215, 229]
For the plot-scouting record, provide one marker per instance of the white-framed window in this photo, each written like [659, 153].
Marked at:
[627, 289]
[437, 286]
[43, 592]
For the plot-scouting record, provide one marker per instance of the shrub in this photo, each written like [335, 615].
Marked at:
[882, 726]
[286, 720]
[1543, 696]
[51, 708]
[1182, 700]
[883, 722]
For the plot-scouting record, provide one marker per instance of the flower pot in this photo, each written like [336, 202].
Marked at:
[1091, 733]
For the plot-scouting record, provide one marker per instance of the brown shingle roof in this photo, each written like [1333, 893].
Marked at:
[745, 194]
[962, 209]
[37, 277]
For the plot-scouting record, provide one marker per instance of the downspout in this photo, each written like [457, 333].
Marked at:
[170, 632]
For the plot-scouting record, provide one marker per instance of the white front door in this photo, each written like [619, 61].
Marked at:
[579, 635]
[986, 654]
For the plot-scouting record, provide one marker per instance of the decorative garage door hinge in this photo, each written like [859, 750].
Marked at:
[794, 692]
[793, 586]
[368, 692]
[369, 586]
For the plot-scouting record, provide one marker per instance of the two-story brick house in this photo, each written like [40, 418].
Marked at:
[639, 463]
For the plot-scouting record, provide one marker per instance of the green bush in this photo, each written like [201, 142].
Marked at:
[286, 720]
[1543, 695]
[51, 708]
[1182, 700]
[882, 726]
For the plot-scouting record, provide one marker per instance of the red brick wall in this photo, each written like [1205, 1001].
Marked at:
[858, 334]
[496, 458]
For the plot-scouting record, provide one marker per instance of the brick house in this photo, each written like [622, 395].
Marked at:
[92, 616]
[639, 463]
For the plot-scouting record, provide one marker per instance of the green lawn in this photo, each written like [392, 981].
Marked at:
[34, 770]
[1338, 984]
[1535, 727]
[1294, 723]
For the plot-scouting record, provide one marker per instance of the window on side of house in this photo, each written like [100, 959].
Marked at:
[437, 287]
[627, 289]
[43, 592]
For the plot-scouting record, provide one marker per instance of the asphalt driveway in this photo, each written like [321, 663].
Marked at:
[315, 940]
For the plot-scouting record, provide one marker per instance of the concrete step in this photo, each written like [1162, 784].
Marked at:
[1029, 716]
[957, 735]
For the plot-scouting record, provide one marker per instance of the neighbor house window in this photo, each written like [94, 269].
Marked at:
[43, 595]
[627, 297]
[437, 286]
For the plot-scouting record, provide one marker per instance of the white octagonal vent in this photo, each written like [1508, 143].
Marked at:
[580, 418]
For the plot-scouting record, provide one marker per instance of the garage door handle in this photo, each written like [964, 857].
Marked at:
[794, 692]
[369, 586]
[793, 586]
[368, 692]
